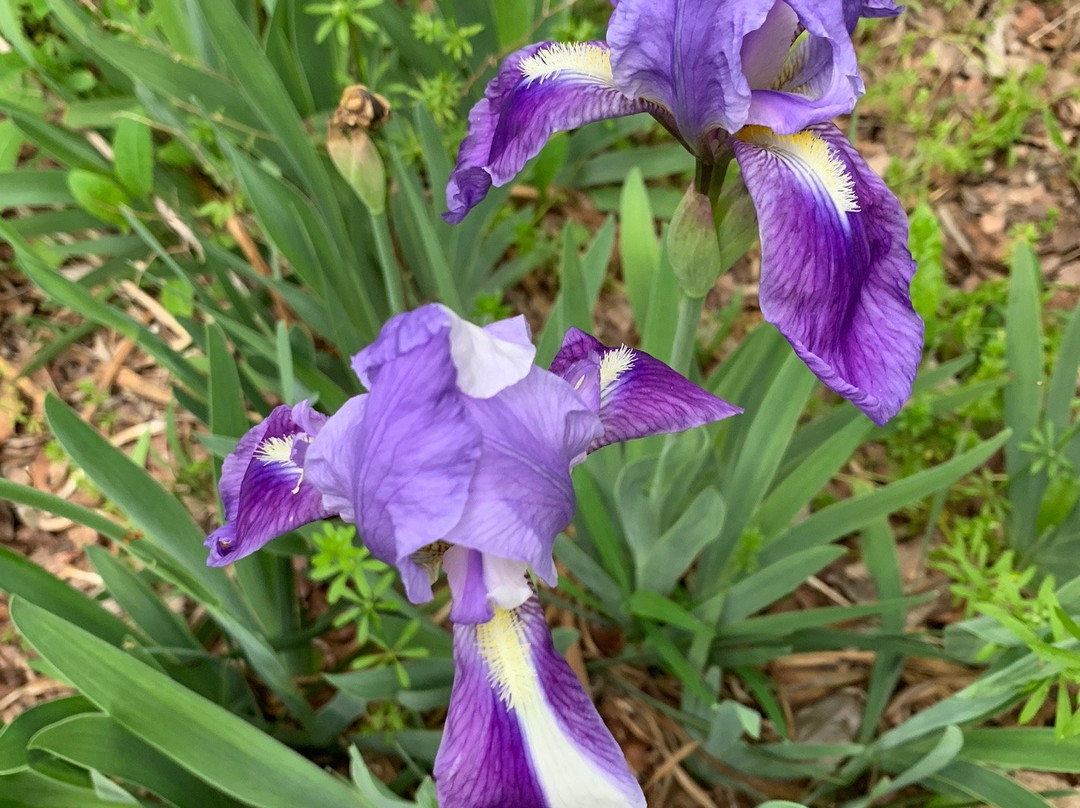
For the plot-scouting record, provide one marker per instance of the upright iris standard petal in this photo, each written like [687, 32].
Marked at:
[485, 359]
[540, 90]
[819, 78]
[638, 394]
[404, 460]
[835, 266]
[263, 487]
[521, 731]
[521, 495]
[492, 358]
[684, 57]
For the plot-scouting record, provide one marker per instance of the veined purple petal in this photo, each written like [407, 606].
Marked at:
[400, 463]
[835, 266]
[539, 90]
[716, 67]
[521, 731]
[485, 359]
[263, 487]
[521, 496]
[683, 55]
[819, 78]
[639, 395]
[325, 467]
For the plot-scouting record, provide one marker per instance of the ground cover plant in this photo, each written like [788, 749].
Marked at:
[206, 219]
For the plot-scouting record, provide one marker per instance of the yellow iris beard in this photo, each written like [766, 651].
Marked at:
[276, 450]
[805, 151]
[581, 58]
[506, 654]
[615, 364]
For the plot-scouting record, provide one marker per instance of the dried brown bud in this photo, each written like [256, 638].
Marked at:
[361, 108]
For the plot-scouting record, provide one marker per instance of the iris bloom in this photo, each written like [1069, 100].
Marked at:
[460, 454]
[756, 81]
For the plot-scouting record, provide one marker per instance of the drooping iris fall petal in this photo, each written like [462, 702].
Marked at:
[521, 731]
[638, 394]
[262, 485]
[539, 90]
[835, 265]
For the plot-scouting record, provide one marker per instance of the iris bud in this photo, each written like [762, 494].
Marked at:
[692, 245]
[351, 148]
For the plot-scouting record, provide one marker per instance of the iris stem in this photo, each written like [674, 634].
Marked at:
[703, 173]
[682, 351]
[384, 246]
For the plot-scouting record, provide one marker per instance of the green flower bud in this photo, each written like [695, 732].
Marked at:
[354, 154]
[357, 159]
[692, 246]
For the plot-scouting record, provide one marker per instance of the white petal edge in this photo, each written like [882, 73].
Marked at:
[504, 578]
[485, 364]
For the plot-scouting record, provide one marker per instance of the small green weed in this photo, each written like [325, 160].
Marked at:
[362, 585]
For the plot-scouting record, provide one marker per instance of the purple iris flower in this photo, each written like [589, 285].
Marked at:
[461, 442]
[757, 81]
[460, 455]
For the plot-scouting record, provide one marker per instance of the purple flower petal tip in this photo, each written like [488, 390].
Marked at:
[263, 487]
[521, 731]
[638, 394]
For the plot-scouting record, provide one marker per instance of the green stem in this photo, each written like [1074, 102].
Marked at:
[682, 351]
[384, 246]
[703, 173]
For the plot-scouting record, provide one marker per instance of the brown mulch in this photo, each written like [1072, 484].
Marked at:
[110, 383]
[1039, 178]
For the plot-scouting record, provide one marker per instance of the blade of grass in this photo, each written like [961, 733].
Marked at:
[216, 746]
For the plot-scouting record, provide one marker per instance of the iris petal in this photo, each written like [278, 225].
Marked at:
[401, 464]
[639, 395]
[539, 90]
[521, 495]
[820, 79]
[479, 581]
[263, 487]
[521, 731]
[835, 266]
[684, 57]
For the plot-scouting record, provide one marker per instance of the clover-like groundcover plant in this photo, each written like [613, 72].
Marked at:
[758, 83]
[459, 456]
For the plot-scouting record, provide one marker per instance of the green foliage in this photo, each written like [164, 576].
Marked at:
[219, 200]
[360, 584]
[341, 16]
